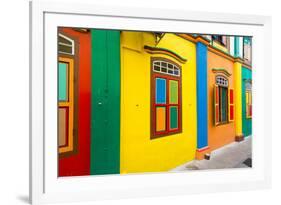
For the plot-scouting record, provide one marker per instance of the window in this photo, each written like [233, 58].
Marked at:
[220, 39]
[65, 110]
[248, 100]
[165, 98]
[247, 47]
[223, 101]
[65, 95]
[166, 68]
[65, 45]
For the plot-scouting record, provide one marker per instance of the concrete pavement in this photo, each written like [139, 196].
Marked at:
[233, 155]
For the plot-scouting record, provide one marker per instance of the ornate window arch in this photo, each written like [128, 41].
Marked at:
[166, 67]
[223, 101]
[221, 81]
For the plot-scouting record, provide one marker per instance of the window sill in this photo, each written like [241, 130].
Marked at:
[152, 137]
[223, 123]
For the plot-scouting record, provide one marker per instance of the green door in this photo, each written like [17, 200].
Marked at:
[105, 102]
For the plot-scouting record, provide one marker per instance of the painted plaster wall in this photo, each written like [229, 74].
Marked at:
[223, 134]
[138, 152]
[246, 122]
[79, 163]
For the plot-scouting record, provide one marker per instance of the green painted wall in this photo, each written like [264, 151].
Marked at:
[105, 102]
[246, 123]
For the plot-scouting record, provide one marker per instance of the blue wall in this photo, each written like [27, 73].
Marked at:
[202, 96]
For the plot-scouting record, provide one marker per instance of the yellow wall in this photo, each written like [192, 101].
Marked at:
[138, 152]
[238, 98]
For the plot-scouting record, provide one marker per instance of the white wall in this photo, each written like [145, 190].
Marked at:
[14, 101]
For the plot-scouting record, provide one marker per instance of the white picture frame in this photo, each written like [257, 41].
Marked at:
[46, 187]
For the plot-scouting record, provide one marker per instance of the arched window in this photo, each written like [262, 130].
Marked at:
[65, 45]
[221, 81]
[165, 98]
[162, 66]
[248, 92]
[223, 101]
[66, 101]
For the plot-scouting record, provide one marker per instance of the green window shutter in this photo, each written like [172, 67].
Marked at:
[224, 104]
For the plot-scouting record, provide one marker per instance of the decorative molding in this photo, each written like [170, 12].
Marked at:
[239, 60]
[82, 30]
[187, 37]
[195, 39]
[221, 70]
[245, 65]
[164, 51]
[220, 53]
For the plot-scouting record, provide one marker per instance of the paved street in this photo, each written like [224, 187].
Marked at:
[234, 155]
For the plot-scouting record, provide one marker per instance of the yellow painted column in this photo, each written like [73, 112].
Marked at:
[238, 101]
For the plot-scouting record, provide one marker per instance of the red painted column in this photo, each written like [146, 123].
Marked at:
[79, 163]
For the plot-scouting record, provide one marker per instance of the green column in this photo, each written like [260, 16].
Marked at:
[105, 102]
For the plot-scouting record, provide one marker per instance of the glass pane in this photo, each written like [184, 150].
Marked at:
[160, 119]
[64, 40]
[65, 49]
[173, 117]
[170, 66]
[63, 81]
[164, 64]
[170, 71]
[164, 70]
[157, 68]
[157, 63]
[62, 126]
[160, 90]
[223, 104]
[173, 92]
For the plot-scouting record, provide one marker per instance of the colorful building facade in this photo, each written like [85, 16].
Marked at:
[147, 101]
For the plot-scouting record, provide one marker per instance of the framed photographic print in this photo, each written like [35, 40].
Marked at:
[144, 102]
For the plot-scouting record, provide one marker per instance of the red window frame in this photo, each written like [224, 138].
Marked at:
[168, 131]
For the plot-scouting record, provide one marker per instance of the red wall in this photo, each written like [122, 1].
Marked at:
[79, 164]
